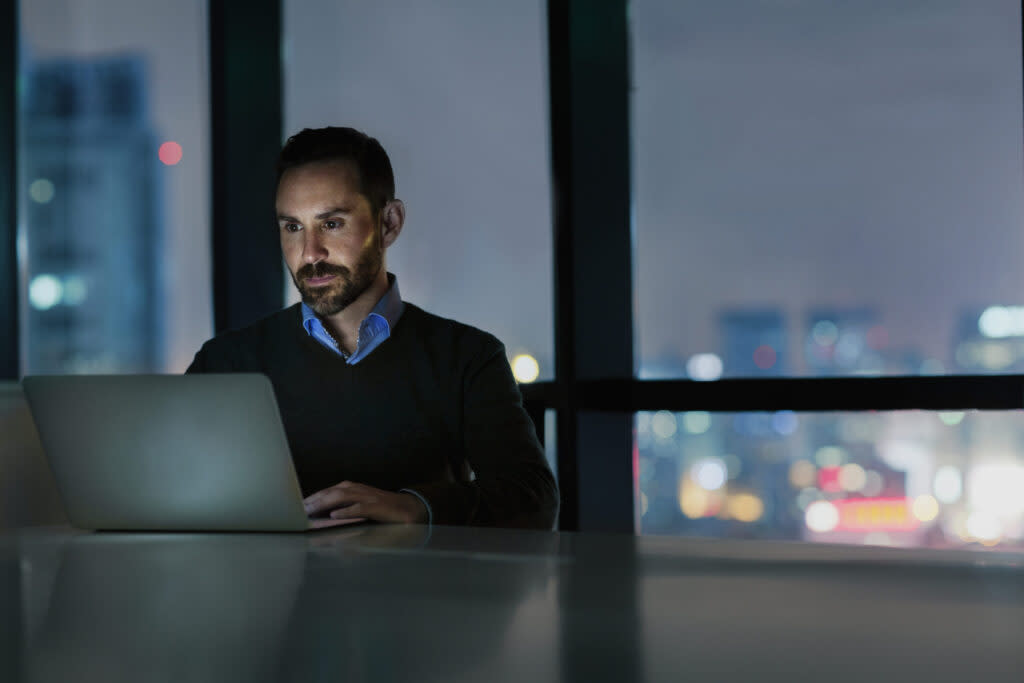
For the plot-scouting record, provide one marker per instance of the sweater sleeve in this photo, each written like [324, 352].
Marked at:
[514, 486]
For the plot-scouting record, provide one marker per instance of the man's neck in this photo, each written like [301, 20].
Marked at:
[344, 325]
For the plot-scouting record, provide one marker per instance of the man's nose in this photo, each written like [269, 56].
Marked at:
[313, 249]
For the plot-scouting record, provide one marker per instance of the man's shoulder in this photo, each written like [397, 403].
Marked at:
[270, 325]
[242, 347]
[432, 326]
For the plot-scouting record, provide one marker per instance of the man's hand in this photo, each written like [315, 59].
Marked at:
[349, 500]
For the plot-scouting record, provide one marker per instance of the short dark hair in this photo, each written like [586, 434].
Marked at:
[376, 179]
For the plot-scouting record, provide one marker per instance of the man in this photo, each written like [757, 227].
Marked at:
[392, 414]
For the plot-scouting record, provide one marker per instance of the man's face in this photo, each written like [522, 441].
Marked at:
[329, 236]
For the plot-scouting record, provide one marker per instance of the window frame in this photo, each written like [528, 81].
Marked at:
[246, 127]
[9, 268]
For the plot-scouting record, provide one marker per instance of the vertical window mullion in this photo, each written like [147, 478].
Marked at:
[589, 65]
[245, 108]
[9, 338]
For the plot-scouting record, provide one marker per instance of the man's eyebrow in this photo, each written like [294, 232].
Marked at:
[331, 212]
[319, 216]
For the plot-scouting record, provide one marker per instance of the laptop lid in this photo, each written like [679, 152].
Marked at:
[168, 452]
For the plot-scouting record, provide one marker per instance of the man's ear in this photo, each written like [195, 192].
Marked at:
[391, 221]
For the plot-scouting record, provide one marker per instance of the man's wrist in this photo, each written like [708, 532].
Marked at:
[420, 512]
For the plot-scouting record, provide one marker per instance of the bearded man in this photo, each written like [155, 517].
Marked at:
[392, 414]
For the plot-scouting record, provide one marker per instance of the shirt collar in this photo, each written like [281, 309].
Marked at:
[390, 308]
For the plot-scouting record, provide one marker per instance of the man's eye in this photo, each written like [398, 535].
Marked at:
[332, 225]
[292, 227]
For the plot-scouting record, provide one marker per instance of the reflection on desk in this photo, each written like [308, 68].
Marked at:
[123, 608]
[402, 603]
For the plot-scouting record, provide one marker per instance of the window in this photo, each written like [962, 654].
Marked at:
[829, 191]
[113, 186]
[826, 190]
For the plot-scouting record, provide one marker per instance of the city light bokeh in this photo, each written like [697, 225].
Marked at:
[41, 190]
[525, 368]
[900, 478]
[170, 153]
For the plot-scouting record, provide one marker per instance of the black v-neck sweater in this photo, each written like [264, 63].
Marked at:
[432, 404]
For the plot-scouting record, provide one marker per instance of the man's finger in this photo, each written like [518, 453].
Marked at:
[315, 502]
[327, 499]
[354, 510]
[314, 498]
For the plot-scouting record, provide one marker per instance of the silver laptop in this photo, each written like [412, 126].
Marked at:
[169, 452]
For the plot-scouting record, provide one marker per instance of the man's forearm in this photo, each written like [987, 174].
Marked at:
[529, 502]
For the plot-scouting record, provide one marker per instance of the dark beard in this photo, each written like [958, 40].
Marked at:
[326, 301]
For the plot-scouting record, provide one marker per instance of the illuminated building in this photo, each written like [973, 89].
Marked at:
[91, 201]
[844, 342]
[754, 343]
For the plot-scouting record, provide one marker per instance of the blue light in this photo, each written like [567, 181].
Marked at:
[785, 422]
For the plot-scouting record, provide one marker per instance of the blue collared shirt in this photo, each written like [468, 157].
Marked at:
[373, 331]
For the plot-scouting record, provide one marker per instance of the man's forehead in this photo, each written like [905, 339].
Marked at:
[319, 186]
[326, 171]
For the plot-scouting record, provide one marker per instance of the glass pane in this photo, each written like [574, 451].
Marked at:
[906, 478]
[828, 188]
[457, 94]
[114, 228]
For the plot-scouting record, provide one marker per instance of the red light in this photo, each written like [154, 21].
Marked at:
[828, 479]
[876, 514]
[170, 153]
[764, 357]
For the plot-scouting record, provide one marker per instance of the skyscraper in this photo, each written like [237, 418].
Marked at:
[754, 342]
[93, 229]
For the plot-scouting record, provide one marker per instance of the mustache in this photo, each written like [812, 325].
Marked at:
[321, 269]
